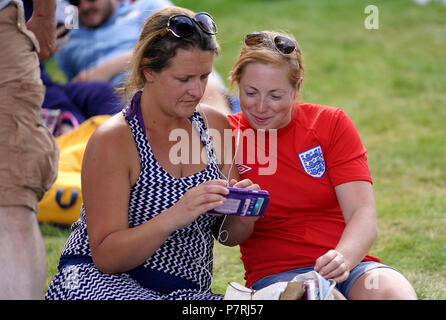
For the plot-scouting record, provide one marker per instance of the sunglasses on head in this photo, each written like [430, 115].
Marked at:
[181, 25]
[283, 44]
[76, 2]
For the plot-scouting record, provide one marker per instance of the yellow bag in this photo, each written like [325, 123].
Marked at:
[61, 204]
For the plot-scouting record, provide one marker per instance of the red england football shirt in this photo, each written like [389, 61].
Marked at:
[299, 165]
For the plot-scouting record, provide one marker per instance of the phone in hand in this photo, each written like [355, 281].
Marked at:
[244, 202]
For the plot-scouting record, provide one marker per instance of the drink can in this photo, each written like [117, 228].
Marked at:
[311, 289]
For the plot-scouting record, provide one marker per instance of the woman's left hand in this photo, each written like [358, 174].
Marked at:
[332, 265]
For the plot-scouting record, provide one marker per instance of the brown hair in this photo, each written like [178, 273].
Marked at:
[267, 53]
[159, 50]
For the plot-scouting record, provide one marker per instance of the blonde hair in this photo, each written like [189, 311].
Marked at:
[266, 52]
[160, 49]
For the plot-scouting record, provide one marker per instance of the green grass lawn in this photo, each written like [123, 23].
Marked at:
[392, 84]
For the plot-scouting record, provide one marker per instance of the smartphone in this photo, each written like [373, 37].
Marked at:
[244, 202]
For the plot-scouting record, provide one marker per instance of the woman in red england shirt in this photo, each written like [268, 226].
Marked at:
[322, 212]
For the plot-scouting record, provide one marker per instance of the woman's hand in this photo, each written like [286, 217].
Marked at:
[358, 208]
[236, 228]
[332, 265]
[246, 184]
[196, 201]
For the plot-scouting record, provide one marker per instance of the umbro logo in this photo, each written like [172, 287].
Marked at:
[242, 168]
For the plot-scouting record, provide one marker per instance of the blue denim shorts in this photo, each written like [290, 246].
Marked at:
[343, 287]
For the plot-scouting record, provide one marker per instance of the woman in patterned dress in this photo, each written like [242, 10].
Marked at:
[149, 236]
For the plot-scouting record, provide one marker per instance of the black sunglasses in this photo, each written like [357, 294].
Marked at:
[283, 44]
[181, 25]
[76, 2]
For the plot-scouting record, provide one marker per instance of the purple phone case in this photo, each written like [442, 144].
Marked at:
[244, 202]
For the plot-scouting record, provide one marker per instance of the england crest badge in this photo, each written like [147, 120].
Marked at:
[313, 161]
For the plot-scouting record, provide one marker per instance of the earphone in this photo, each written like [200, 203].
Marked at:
[220, 231]
[204, 267]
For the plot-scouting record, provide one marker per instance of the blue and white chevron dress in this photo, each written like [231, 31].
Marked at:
[180, 269]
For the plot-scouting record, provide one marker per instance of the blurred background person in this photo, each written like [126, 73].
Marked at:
[100, 49]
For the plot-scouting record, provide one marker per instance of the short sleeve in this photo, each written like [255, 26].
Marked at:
[345, 156]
